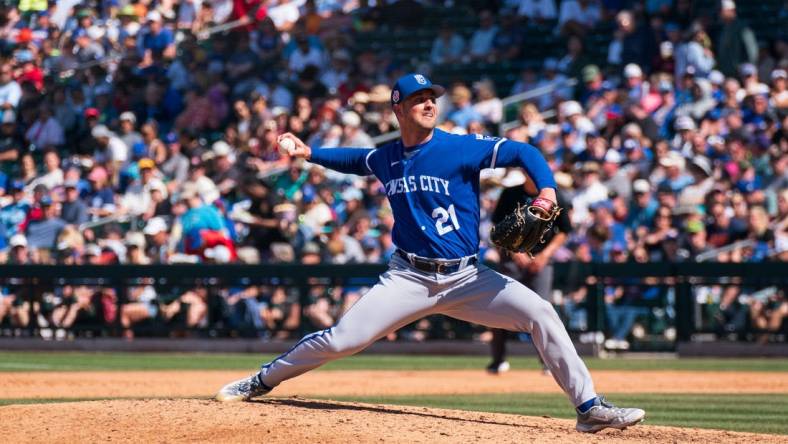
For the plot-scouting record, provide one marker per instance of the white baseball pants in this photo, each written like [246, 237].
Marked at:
[475, 294]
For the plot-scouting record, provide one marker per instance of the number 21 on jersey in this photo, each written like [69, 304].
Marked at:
[443, 216]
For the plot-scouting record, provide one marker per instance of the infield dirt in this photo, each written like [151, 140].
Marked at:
[288, 417]
[298, 420]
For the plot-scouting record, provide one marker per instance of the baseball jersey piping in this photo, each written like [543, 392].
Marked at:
[495, 152]
[366, 160]
[317, 334]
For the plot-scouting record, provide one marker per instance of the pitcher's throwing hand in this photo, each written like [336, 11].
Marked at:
[293, 146]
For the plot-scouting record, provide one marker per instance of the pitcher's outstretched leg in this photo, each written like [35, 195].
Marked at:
[391, 304]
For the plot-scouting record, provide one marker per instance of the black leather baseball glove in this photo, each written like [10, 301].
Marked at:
[524, 229]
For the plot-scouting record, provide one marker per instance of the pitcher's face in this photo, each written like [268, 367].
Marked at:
[420, 110]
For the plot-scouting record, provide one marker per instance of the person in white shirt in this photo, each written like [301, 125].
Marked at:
[488, 105]
[45, 131]
[592, 190]
[10, 91]
[54, 175]
[284, 15]
[112, 147]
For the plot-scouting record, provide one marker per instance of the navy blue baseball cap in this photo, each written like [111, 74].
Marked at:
[411, 83]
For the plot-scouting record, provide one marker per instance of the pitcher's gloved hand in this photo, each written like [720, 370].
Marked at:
[526, 227]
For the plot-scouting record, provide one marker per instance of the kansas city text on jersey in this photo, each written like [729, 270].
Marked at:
[409, 184]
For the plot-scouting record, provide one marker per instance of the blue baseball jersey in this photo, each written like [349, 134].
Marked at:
[434, 187]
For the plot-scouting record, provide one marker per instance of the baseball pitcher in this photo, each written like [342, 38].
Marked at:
[431, 179]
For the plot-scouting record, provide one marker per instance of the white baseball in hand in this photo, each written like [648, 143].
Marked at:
[287, 145]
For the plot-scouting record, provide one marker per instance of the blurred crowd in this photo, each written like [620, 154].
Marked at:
[139, 132]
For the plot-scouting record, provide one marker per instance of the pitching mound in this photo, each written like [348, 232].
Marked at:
[295, 420]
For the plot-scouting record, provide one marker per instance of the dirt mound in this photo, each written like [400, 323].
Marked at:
[295, 420]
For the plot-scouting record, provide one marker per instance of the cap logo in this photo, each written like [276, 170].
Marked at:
[395, 96]
[420, 78]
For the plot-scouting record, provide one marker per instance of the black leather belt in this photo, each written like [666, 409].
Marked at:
[435, 266]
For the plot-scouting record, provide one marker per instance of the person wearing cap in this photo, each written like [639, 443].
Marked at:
[73, 209]
[353, 135]
[462, 111]
[616, 178]
[100, 196]
[592, 83]
[86, 49]
[128, 132]
[109, 146]
[137, 198]
[758, 113]
[155, 39]
[431, 179]
[14, 214]
[642, 207]
[675, 175]
[735, 42]
[176, 166]
[42, 233]
[637, 88]
[225, 172]
[158, 232]
[779, 90]
[571, 113]
[684, 128]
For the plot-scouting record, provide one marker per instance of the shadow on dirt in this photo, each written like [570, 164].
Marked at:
[389, 410]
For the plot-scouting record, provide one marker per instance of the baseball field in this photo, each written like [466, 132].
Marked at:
[80, 397]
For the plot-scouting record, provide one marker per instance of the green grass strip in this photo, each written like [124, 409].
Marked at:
[743, 413]
[80, 361]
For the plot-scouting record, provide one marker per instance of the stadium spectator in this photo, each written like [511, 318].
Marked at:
[537, 10]
[448, 47]
[736, 42]
[480, 44]
[578, 16]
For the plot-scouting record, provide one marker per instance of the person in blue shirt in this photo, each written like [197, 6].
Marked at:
[431, 179]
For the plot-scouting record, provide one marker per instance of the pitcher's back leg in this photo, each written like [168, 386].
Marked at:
[497, 301]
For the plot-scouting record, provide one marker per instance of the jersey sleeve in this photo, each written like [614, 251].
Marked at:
[344, 160]
[494, 152]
